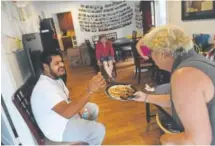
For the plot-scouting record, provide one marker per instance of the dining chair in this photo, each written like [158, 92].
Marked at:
[166, 123]
[21, 100]
[140, 63]
[163, 118]
[92, 54]
[127, 50]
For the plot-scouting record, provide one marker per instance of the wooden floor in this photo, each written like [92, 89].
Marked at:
[125, 122]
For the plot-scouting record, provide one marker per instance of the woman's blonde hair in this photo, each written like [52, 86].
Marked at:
[168, 38]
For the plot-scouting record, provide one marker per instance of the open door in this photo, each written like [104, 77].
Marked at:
[66, 25]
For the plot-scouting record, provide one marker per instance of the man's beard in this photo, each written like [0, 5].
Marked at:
[53, 74]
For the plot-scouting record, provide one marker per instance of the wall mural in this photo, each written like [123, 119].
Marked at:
[138, 16]
[95, 18]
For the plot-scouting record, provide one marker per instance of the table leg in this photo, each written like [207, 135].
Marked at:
[148, 116]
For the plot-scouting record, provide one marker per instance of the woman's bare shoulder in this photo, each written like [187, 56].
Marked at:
[193, 79]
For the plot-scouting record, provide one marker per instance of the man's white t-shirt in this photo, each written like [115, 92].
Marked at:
[46, 94]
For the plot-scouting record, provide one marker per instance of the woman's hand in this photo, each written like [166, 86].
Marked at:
[140, 96]
[114, 61]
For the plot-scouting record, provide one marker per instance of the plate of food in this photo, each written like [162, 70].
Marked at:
[120, 92]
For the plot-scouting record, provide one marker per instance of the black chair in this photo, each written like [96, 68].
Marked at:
[140, 63]
[166, 122]
[163, 118]
[127, 49]
[111, 36]
[138, 67]
[92, 54]
[21, 100]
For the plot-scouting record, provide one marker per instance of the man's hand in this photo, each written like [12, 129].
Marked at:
[140, 96]
[99, 63]
[96, 83]
[114, 61]
[81, 111]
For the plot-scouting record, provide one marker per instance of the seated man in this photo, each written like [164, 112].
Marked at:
[59, 118]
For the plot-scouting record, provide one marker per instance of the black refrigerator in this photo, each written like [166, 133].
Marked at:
[35, 43]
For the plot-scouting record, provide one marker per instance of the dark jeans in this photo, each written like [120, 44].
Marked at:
[106, 58]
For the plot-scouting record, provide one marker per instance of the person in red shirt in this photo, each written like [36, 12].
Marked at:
[211, 54]
[105, 55]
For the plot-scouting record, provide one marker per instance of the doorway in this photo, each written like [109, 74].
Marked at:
[148, 15]
[66, 25]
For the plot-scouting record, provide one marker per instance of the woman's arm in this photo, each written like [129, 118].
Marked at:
[160, 97]
[138, 46]
[190, 97]
[160, 100]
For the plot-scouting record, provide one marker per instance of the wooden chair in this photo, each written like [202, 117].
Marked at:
[166, 122]
[21, 100]
[163, 118]
[139, 62]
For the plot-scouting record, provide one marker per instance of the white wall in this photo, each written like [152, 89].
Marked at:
[160, 12]
[53, 7]
[11, 74]
[7, 136]
[11, 36]
[191, 27]
[8, 87]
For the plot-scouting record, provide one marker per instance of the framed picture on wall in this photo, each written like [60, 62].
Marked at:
[193, 10]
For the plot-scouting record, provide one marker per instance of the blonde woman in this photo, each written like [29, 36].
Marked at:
[192, 96]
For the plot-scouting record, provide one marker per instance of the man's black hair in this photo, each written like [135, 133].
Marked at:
[46, 57]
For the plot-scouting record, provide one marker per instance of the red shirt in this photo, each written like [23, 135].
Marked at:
[104, 50]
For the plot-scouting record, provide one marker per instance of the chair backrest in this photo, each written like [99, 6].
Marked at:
[36, 64]
[87, 42]
[95, 39]
[21, 100]
[89, 47]
[136, 56]
[134, 34]
[111, 36]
